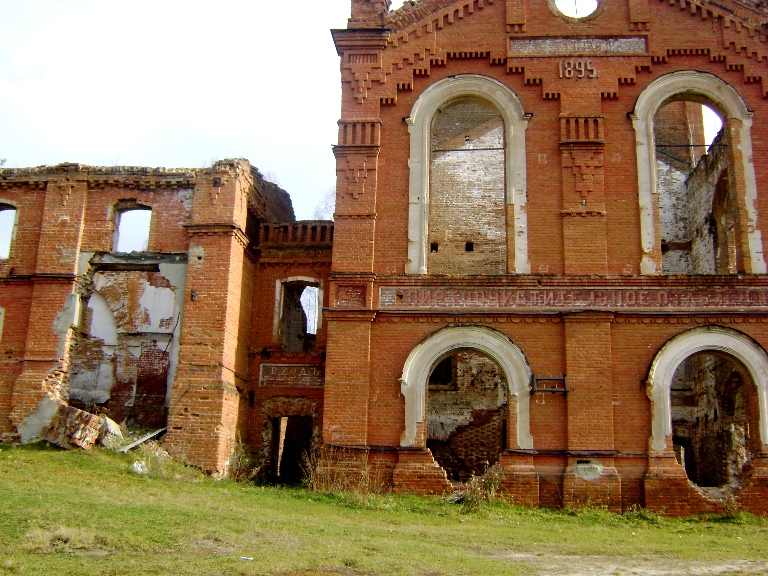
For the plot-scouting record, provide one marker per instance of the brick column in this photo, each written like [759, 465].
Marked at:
[591, 476]
[205, 400]
[347, 378]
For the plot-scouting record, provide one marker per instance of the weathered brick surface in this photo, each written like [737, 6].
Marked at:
[604, 298]
[583, 225]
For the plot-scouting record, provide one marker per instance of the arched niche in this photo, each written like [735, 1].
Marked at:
[495, 345]
[508, 105]
[704, 339]
[705, 88]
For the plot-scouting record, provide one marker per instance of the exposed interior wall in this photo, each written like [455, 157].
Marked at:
[714, 418]
[713, 215]
[467, 414]
[128, 347]
[467, 217]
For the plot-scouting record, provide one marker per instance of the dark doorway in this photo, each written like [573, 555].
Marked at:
[292, 440]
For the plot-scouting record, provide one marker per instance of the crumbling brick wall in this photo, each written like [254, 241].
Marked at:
[467, 415]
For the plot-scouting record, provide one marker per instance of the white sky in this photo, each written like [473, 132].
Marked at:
[178, 83]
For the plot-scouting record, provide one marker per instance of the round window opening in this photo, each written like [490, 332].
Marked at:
[577, 9]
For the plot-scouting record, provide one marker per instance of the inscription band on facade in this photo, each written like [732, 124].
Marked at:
[557, 299]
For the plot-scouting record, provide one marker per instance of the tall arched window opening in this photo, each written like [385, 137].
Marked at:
[132, 228]
[436, 169]
[7, 229]
[698, 212]
[697, 205]
[467, 215]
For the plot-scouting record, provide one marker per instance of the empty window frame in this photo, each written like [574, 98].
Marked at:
[132, 227]
[732, 243]
[297, 313]
[8, 215]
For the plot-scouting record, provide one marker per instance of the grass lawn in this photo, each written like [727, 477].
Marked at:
[77, 512]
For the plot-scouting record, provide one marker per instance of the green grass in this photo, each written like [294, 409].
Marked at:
[76, 512]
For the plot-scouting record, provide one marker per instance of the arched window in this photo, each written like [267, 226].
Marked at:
[701, 219]
[676, 367]
[132, 227]
[7, 229]
[467, 115]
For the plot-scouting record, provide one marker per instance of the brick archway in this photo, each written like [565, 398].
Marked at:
[288, 407]
[495, 345]
[675, 351]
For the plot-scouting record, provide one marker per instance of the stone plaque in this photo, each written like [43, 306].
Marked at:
[350, 296]
[292, 375]
[574, 46]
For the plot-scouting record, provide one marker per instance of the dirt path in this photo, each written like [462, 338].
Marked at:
[636, 566]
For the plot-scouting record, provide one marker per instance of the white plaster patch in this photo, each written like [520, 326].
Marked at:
[68, 316]
[196, 255]
[158, 303]
[84, 262]
[589, 470]
[68, 255]
[102, 320]
[31, 428]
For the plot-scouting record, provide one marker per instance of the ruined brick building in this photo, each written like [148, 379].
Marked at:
[536, 264]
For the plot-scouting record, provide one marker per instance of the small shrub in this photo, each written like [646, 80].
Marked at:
[242, 467]
[477, 491]
[160, 464]
[62, 539]
[637, 513]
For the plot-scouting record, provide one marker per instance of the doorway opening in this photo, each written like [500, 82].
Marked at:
[715, 418]
[291, 443]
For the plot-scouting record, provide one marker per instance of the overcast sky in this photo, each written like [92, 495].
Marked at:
[178, 83]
